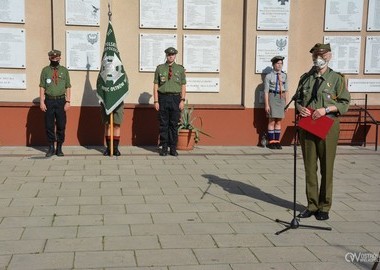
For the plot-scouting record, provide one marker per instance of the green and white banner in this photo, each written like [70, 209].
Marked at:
[112, 83]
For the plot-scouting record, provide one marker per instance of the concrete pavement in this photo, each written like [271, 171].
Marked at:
[213, 208]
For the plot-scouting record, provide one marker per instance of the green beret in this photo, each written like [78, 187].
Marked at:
[276, 59]
[321, 48]
[171, 50]
[54, 53]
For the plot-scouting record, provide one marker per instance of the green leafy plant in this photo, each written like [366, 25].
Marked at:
[187, 122]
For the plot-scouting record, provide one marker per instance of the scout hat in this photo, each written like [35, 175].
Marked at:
[54, 53]
[276, 59]
[171, 50]
[321, 48]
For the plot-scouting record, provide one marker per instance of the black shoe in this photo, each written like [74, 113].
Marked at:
[106, 152]
[272, 146]
[116, 152]
[322, 215]
[51, 151]
[173, 152]
[164, 151]
[59, 152]
[306, 214]
[278, 146]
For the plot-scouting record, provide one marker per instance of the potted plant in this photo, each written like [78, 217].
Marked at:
[188, 134]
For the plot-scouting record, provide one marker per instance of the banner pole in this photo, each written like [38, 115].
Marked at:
[111, 134]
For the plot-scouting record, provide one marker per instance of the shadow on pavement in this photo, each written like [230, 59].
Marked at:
[240, 188]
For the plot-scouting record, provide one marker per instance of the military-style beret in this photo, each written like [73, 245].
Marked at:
[54, 53]
[277, 58]
[171, 50]
[321, 48]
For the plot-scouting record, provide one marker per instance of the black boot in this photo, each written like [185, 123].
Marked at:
[59, 150]
[107, 152]
[164, 151]
[173, 151]
[116, 151]
[51, 150]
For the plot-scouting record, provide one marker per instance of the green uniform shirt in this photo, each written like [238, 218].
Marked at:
[332, 91]
[174, 85]
[47, 81]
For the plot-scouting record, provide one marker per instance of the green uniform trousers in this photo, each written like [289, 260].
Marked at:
[314, 148]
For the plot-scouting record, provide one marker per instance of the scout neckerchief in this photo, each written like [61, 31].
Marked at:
[55, 75]
[279, 84]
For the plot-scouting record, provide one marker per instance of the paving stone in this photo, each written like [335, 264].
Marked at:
[325, 265]
[346, 239]
[127, 219]
[207, 228]
[164, 257]
[131, 242]
[175, 218]
[241, 240]
[21, 246]
[78, 220]
[263, 266]
[104, 259]
[42, 261]
[49, 232]
[155, 229]
[103, 230]
[201, 267]
[148, 208]
[224, 255]
[11, 233]
[283, 254]
[186, 241]
[17, 222]
[55, 210]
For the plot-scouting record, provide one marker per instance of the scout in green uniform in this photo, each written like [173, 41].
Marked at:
[275, 97]
[324, 91]
[55, 94]
[169, 91]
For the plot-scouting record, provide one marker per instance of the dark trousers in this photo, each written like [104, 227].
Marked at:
[169, 114]
[55, 115]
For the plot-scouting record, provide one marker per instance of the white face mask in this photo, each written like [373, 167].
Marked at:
[320, 62]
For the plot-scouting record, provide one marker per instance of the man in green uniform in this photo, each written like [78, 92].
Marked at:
[169, 91]
[321, 92]
[55, 94]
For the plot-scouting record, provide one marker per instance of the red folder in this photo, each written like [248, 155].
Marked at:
[319, 127]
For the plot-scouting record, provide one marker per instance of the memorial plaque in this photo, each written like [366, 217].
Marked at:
[158, 14]
[346, 53]
[266, 48]
[364, 85]
[201, 53]
[12, 44]
[12, 81]
[12, 11]
[84, 12]
[82, 50]
[202, 14]
[152, 47]
[273, 15]
[343, 15]
[373, 22]
[372, 55]
[204, 85]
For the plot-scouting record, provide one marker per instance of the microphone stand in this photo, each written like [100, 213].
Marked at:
[294, 223]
